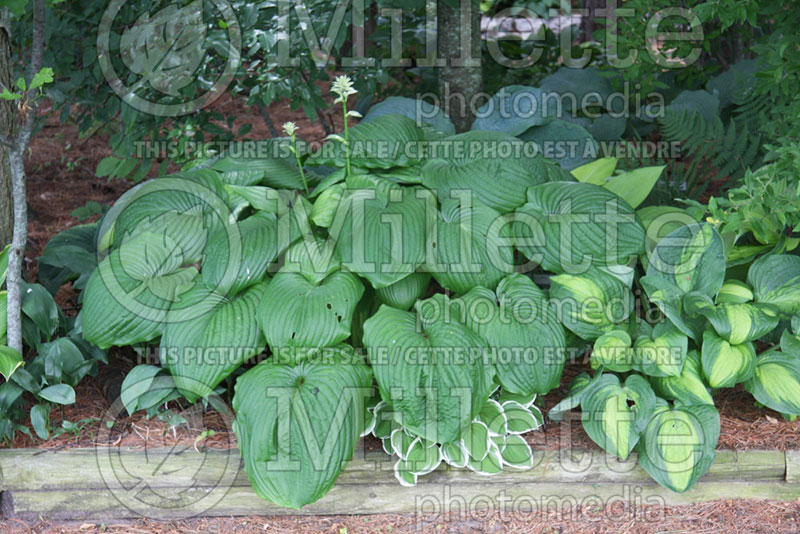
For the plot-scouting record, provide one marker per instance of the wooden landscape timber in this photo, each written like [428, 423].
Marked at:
[111, 483]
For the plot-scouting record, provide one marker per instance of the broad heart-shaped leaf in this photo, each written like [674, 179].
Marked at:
[413, 108]
[309, 303]
[677, 447]
[382, 237]
[405, 292]
[734, 292]
[381, 143]
[436, 377]
[514, 109]
[663, 353]
[68, 255]
[202, 352]
[297, 426]
[127, 297]
[776, 382]
[591, 304]
[775, 280]
[493, 166]
[262, 237]
[38, 305]
[568, 144]
[578, 87]
[166, 47]
[634, 186]
[740, 323]
[470, 248]
[275, 167]
[613, 351]
[724, 364]
[689, 259]
[523, 332]
[570, 226]
[689, 388]
[613, 415]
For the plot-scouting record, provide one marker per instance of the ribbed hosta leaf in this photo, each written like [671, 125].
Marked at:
[776, 382]
[776, 280]
[297, 426]
[127, 297]
[613, 351]
[568, 144]
[382, 238]
[591, 304]
[613, 414]
[514, 109]
[434, 377]
[478, 162]
[470, 249]
[689, 388]
[275, 166]
[202, 352]
[740, 323]
[572, 226]
[678, 445]
[724, 364]
[662, 353]
[308, 303]
[405, 292]
[523, 333]
[412, 108]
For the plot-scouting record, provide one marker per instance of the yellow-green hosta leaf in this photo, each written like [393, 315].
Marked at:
[677, 447]
[662, 353]
[613, 351]
[659, 222]
[740, 323]
[734, 292]
[634, 186]
[776, 382]
[10, 360]
[688, 388]
[591, 304]
[595, 172]
[725, 364]
[776, 280]
[613, 415]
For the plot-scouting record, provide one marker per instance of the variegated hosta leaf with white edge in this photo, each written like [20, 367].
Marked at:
[734, 292]
[689, 388]
[775, 280]
[740, 323]
[263, 238]
[380, 143]
[776, 382]
[577, 387]
[298, 425]
[725, 364]
[430, 368]
[521, 419]
[382, 238]
[614, 414]
[591, 304]
[491, 464]
[677, 447]
[662, 353]
[469, 248]
[202, 352]
[570, 226]
[515, 451]
[492, 165]
[494, 417]
[127, 297]
[186, 206]
[613, 351]
[405, 292]
[422, 458]
[523, 332]
[310, 302]
[690, 259]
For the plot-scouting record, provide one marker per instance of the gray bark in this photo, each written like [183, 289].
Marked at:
[6, 128]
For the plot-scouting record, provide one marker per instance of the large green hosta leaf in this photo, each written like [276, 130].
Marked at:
[514, 109]
[435, 377]
[202, 352]
[614, 414]
[127, 297]
[564, 142]
[591, 304]
[68, 255]
[572, 226]
[740, 323]
[689, 388]
[776, 382]
[775, 280]
[412, 108]
[477, 162]
[677, 447]
[523, 332]
[310, 302]
[690, 259]
[405, 292]
[470, 249]
[726, 364]
[274, 166]
[662, 353]
[382, 237]
[297, 426]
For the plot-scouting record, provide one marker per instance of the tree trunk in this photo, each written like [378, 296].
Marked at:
[6, 128]
[460, 80]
